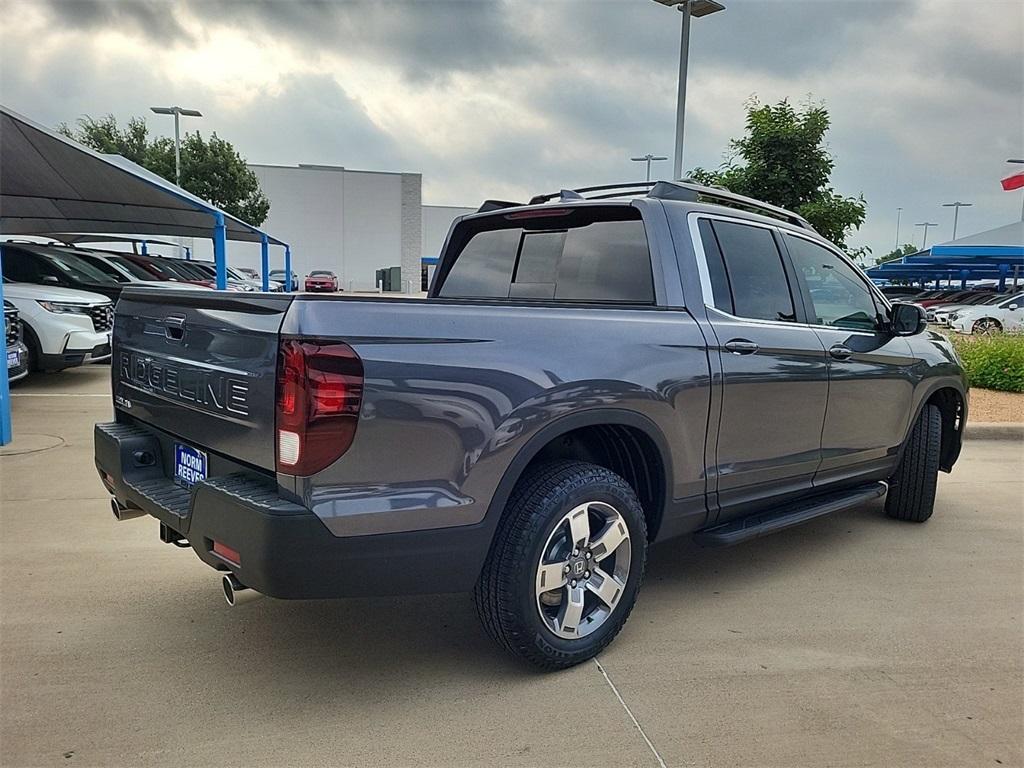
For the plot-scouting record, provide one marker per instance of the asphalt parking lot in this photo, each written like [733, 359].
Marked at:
[853, 641]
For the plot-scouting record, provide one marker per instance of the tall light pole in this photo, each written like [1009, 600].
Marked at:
[694, 9]
[648, 158]
[177, 112]
[925, 224]
[956, 212]
[899, 213]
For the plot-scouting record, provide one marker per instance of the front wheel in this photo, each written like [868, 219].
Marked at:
[563, 573]
[912, 488]
[987, 326]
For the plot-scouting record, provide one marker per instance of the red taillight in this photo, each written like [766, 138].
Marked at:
[319, 391]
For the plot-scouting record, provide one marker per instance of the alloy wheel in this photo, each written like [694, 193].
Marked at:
[583, 570]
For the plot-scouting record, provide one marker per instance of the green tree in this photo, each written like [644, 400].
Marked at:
[898, 253]
[211, 169]
[782, 159]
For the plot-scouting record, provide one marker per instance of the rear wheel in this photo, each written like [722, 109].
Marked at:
[566, 564]
[912, 488]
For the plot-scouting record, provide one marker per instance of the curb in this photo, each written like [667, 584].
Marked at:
[988, 430]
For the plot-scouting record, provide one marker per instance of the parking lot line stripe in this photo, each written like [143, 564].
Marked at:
[630, 713]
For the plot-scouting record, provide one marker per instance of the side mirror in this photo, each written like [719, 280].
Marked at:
[51, 279]
[907, 319]
[1012, 307]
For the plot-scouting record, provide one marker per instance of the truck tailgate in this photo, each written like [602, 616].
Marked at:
[201, 367]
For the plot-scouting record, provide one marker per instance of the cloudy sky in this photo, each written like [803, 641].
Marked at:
[504, 99]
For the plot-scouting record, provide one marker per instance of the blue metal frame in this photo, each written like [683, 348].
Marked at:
[288, 268]
[265, 262]
[220, 255]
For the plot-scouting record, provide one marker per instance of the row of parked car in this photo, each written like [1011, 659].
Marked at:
[59, 298]
[977, 310]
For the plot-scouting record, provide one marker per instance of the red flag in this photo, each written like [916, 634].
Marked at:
[1013, 181]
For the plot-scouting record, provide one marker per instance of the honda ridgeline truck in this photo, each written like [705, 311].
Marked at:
[592, 372]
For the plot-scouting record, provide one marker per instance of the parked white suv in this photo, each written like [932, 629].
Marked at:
[1007, 315]
[63, 327]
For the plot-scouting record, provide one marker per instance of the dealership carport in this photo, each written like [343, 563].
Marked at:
[997, 254]
[51, 184]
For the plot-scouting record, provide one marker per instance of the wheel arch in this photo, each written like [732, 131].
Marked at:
[950, 396]
[597, 434]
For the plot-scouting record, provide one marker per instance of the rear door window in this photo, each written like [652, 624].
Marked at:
[587, 255]
[753, 277]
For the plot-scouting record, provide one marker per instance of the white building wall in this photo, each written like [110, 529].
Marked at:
[350, 222]
[436, 221]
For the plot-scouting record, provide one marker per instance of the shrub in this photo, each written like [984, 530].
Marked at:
[993, 362]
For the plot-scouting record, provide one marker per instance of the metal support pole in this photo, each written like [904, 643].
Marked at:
[288, 268]
[5, 391]
[145, 248]
[956, 217]
[684, 55]
[899, 212]
[188, 253]
[220, 250]
[177, 150]
[265, 261]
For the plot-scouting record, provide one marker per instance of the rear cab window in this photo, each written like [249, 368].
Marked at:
[573, 254]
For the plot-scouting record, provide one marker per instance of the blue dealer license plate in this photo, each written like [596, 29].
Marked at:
[13, 358]
[190, 465]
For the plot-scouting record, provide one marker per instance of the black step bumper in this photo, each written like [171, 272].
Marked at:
[284, 550]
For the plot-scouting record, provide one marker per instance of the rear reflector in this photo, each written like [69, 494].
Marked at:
[319, 391]
[225, 552]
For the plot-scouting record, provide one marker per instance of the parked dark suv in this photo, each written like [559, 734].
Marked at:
[56, 265]
[585, 378]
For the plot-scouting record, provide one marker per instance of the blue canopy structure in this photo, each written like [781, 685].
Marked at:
[997, 254]
[50, 183]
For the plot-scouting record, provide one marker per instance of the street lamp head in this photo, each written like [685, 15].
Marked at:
[957, 204]
[176, 111]
[698, 8]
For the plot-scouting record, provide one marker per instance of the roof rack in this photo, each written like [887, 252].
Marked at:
[685, 190]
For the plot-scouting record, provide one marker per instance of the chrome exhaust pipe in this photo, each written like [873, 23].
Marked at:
[121, 512]
[235, 592]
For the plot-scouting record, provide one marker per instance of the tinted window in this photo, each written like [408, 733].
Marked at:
[839, 295]
[77, 268]
[484, 268]
[606, 261]
[132, 267]
[592, 261]
[1012, 300]
[756, 278]
[716, 267]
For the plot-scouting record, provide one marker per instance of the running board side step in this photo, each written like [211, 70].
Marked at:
[763, 523]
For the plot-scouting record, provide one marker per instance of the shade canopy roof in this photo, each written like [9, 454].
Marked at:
[50, 183]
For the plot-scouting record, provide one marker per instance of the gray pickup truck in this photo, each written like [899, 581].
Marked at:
[592, 372]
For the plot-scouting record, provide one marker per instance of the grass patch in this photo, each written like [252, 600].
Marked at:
[993, 362]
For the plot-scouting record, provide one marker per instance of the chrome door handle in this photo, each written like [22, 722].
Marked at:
[741, 347]
[840, 352]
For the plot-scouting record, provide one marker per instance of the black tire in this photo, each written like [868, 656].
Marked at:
[505, 594]
[33, 347]
[912, 488]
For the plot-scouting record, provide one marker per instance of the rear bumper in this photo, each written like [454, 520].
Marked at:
[285, 550]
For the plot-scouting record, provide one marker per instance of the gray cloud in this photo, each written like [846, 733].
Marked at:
[926, 101]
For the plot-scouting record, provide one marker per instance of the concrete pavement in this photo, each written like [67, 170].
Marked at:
[851, 641]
